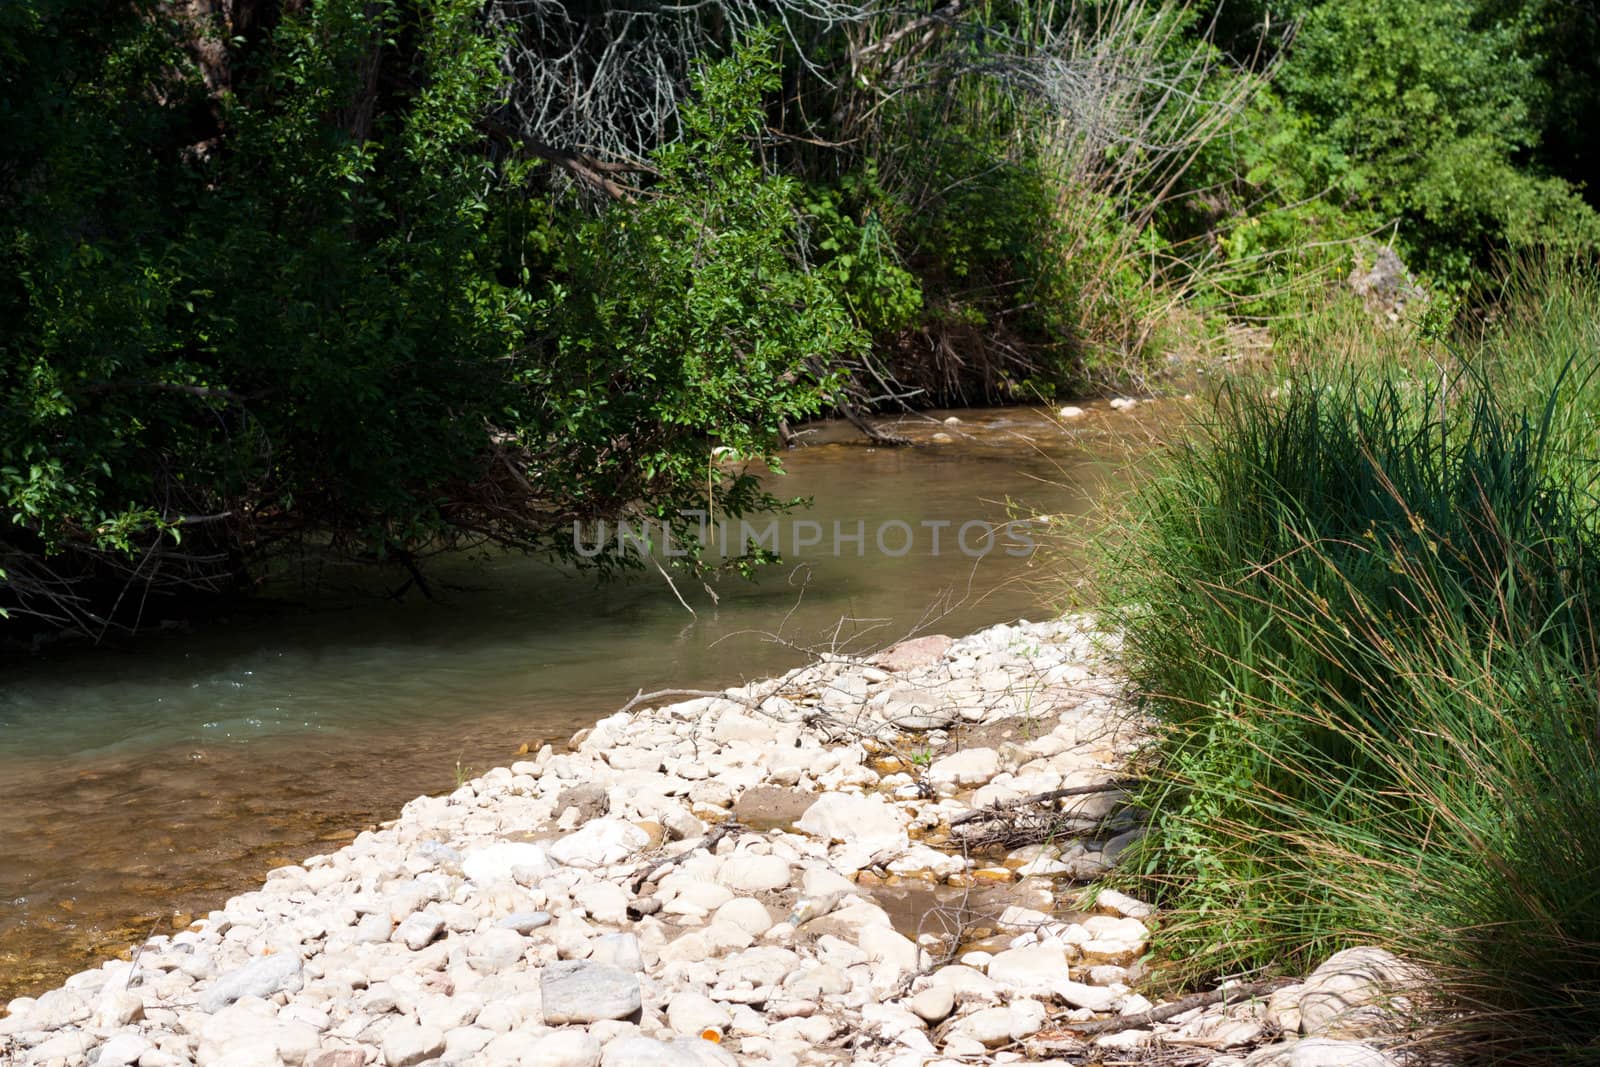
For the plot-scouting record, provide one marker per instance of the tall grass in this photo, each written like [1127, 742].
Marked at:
[1541, 339]
[1364, 613]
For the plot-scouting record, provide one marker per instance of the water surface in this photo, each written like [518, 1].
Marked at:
[144, 784]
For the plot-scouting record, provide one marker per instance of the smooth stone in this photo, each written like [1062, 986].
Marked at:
[495, 949]
[890, 953]
[749, 915]
[118, 1008]
[621, 951]
[1123, 904]
[1319, 1052]
[462, 1042]
[335, 1057]
[1218, 1032]
[564, 1048]
[579, 991]
[601, 843]
[869, 823]
[1001, 1026]
[406, 1043]
[495, 863]
[258, 978]
[524, 922]
[122, 1050]
[604, 901]
[698, 898]
[61, 1046]
[684, 1052]
[418, 930]
[1349, 996]
[747, 873]
[1042, 970]
[934, 1003]
[693, 1013]
[972, 766]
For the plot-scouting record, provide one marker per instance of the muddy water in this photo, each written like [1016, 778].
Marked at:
[142, 785]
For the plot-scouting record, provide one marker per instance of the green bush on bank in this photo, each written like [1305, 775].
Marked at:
[1363, 611]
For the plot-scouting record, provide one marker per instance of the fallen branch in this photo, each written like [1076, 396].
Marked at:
[875, 435]
[676, 694]
[707, 842]
[1000, 810]
[1163, 1012]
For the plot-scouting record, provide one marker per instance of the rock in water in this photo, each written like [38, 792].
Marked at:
[578, 991]
[258, 978]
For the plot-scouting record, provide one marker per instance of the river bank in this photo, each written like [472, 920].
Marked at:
[787, 872]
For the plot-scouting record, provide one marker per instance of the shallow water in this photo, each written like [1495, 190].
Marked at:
[141, 785]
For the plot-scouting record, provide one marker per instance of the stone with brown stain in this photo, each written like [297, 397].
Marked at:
[917, 652]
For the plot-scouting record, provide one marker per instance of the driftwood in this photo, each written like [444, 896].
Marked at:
[1032, 820]
[1002, 810]
[871, 432]
[1163, 1012]
[721, 830]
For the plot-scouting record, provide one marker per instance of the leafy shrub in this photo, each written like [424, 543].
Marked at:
[1436, 104]
[685, 317]
[853, 245]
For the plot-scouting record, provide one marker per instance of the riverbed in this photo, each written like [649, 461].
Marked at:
[142, 785]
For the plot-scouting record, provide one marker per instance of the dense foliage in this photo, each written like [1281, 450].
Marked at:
[378, 279]
[320, 329]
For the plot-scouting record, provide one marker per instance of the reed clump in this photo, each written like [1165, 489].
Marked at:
[1363, 609]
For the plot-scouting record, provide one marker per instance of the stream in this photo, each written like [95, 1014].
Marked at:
[144, 784]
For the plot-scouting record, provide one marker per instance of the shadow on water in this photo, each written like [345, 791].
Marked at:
[143, 784]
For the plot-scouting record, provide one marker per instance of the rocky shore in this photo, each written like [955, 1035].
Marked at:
[813, 869]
